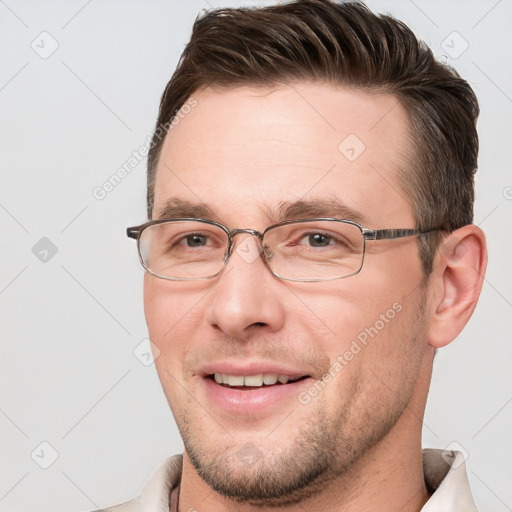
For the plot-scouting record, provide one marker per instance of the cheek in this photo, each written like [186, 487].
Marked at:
[395, 346]
[380, 366]
[155, 306]
[345, 310]
[162, 312]
[172, 314]
[165, 306]
[371, 329]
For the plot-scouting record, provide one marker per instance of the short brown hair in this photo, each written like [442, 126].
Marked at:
[344, 44]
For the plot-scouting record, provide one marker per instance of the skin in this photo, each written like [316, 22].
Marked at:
[356, 445]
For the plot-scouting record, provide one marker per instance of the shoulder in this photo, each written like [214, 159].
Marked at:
[155, 495]
[128, 506]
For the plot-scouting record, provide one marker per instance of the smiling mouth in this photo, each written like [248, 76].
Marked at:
[247, 382]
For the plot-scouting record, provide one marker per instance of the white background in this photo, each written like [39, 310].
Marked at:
[69, 325]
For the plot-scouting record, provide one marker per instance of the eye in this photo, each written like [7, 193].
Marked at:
[194, 240]
[318, 239]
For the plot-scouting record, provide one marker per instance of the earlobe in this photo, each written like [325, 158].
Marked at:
[458, 277]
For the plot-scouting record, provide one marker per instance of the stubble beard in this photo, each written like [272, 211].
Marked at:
[319, 452]
[272, 477]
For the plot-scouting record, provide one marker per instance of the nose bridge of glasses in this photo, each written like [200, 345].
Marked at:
[231, 243]
[239, 231]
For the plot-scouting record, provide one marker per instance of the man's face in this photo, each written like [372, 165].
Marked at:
[245, 153]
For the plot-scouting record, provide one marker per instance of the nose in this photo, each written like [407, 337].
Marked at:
[246, 298]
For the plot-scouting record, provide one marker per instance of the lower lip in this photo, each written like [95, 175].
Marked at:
[251, 400]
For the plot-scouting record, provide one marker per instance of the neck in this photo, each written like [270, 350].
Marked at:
[388, 477]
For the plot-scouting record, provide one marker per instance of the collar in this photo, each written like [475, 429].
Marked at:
[445, 476]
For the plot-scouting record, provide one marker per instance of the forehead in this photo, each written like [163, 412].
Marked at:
[247, 150]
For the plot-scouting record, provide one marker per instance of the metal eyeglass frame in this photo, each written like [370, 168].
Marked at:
[366, 233]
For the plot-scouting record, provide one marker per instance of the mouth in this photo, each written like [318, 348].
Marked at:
[249, 387]
[248, 382]
[253, 394]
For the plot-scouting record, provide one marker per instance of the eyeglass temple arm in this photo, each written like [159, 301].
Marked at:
[389, 234]
[133, 232]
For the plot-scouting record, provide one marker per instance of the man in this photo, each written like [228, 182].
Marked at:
[310, 246]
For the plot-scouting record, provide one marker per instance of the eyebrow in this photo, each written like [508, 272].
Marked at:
[175, 208]
[327, 207]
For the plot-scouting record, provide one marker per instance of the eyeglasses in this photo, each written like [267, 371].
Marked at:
[320, 249]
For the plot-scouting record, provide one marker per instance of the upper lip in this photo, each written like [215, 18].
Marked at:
[250, 368]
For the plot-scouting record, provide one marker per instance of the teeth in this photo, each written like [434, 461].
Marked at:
[253, 380]
[269, 378]
[236, 380]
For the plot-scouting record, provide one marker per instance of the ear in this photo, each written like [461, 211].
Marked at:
[456, 282]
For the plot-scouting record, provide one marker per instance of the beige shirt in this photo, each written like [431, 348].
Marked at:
[445, 477]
